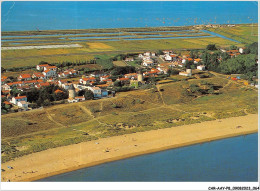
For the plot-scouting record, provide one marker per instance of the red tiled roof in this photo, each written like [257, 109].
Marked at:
[38, 74]
[7, 103]
[123, 79]
[20, 97]
[12, 83]
[30, 81]
[43, 65]
[3, 77]
[25, 76]
[88, 79]
[44, 84]
[58, 91]
[50, 67]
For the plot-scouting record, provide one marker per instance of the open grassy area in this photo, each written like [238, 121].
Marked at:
[119, 63]
[246, 33]
[187, 43]
[128, 112]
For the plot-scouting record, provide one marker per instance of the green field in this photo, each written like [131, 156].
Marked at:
[128, 112]
[246, 33]
[19, 58]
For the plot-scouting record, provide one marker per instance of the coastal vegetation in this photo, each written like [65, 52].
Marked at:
[245, 33]
[194, 101]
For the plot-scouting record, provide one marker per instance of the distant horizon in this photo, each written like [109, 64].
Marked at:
[127, 27]
[68, 15]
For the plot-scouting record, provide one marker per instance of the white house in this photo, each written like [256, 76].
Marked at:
[25, 77]
[96, 91]
[147, 54]
[38, 75]
[87, 80]
[23, 104]
[40, 67]
[167, 57]
[49, 73]
[103, 78]
[140, 56]
[241, 50]
[50, 68]
[15, 100]
[201, 67]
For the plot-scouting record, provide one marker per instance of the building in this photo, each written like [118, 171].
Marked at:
[140, 77]
[41, 67]
[131, 75]
[241, 50]
[201, 67]
[87, 80]
[72, 92]
[96, 91]
[38, 75]
[167, 57]
[50, 68]
[24, 77]
[17, 99]
[188, 73]
[23, 104]
[49, 73]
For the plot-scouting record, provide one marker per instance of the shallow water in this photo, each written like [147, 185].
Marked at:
[232, 159]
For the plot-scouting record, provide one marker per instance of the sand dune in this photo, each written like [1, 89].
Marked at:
[72, 157]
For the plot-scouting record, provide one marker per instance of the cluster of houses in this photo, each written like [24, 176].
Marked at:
[97, 82]
[234, 53]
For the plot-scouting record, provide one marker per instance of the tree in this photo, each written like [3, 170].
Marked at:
[159, 52]
[233, 47]
[194, 88]
[211, 47]
[117, 83]
[89, 95]
[14, 91]
[43, 62]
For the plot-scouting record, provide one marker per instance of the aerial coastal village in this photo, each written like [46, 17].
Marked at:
[98, 91]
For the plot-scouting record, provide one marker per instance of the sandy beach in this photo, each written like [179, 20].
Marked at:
[68, 158]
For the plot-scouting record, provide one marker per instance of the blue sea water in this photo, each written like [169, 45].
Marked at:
[230, 160]
[50, 15]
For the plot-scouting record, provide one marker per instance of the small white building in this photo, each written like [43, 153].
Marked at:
[41, 67]
[147, 54]
[188, 73]
[50, 68]
[23, 104]
[49, 73]
[96, 91]
[15, 100]
[167, 57]
[241, 50]
[201, 67]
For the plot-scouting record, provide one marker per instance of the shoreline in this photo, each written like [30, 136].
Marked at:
[86, 154]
